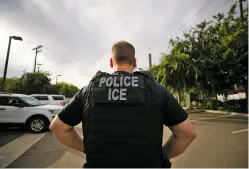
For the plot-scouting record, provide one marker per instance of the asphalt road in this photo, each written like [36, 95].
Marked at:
[222, 142]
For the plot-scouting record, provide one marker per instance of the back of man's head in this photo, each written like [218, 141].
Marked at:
[123, 53]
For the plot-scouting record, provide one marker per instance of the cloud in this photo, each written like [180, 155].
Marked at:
[77, 35]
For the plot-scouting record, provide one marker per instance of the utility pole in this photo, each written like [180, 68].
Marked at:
[38, 67]
[37, 50]
[150, 61]
[241, 8]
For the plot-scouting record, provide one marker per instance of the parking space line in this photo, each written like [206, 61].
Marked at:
[204, 123]
[207, 118]
[239, 131]
[11, 151]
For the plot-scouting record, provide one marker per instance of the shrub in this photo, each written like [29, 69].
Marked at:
[236, 105]
[211, 104]
[183, 104]
[230, 105]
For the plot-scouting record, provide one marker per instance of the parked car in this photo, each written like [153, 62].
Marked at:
[24, 110]
[51, 99]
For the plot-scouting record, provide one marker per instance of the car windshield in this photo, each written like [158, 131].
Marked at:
[31, 101]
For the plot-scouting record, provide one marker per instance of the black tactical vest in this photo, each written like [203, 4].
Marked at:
[121, 125]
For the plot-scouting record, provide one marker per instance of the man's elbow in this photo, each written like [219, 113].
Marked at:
[57, 126]
[193, 134]
[189, 135]
[53, 127]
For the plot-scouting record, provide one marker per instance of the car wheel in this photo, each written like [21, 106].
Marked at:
[37, 124]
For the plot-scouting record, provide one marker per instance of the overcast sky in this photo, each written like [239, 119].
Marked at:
[77, 35]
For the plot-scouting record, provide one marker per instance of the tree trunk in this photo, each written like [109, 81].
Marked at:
[179, 96]
[246, 91]
[246, 88]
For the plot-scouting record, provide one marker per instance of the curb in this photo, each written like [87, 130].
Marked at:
[193, 111]
[197, 111]
[223, 112]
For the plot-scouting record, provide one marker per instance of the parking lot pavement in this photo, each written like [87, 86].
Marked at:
[14, 149]
[10, 134]
[48, 152]
[222, 141]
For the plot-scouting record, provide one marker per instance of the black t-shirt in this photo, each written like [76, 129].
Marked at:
[173, 113]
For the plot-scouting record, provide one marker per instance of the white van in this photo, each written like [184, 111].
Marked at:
[51, 99]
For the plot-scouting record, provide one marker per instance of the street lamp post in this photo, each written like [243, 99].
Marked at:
[57, 78]
[7, 59]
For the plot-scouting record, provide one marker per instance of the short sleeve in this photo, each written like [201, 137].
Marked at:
[71, 114]
[173, 112]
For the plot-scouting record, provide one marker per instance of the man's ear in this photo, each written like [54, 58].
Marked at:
[111, 63]
[135, 63]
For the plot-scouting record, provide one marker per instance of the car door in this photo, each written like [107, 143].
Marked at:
[57, 100]
[9, 112]
[3, 110]
[43, 99]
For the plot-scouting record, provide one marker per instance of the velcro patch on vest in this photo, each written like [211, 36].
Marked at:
[122, 89]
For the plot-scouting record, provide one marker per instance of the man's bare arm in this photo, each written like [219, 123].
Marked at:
[67, 135]
[183, 135]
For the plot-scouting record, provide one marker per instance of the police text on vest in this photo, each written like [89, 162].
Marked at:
[122, 81]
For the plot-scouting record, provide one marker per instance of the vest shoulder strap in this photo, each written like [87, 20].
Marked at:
[149, 79]
[145, 73]
[99, 74]
[91, 84]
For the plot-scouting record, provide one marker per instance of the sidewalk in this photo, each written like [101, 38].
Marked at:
[225, 112]
[216, 111]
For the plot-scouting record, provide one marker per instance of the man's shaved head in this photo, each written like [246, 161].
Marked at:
[123, 52]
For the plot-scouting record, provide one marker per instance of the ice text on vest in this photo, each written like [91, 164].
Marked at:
[123, 82]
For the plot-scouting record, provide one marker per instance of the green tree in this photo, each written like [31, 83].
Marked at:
[38, 82]
[210, 57]
[67, 89]
[13, 85]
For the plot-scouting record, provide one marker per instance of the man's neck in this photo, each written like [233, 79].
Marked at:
[124, 68]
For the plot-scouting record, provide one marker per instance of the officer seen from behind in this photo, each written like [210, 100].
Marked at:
[123, 115]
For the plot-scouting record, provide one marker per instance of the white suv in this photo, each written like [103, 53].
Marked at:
[23, 110]
[50, 99]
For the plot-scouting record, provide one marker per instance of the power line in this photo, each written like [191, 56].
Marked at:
[62, 59]
[225, 2]
[204, 7]
[54, 56]
[37, 49]
[192, 18]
